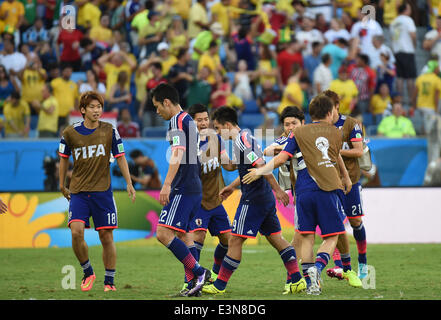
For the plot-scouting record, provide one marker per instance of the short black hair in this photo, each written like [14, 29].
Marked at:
[291, 111]
[320, 106]
[225, 114]
[326, 57]
[136, 153]
[16, 95]
[197, 108]
[402, 7]
[165, 91]
[364, 58]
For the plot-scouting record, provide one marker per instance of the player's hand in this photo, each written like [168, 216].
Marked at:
[347, 185]
[164, 195]
[282, 197]
[66, 192]
[3, 207]
[225, 193]
[131, 191]
[251, 176]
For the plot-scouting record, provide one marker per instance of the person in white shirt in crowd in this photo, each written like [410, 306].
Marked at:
[336, 31]
[13, 60]
[308, 34]
[379, 48]
[403, 35]
[432, 40]
[364, 30]
[322, 75]
[326, 7]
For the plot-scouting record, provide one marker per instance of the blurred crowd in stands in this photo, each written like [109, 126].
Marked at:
[381, 56]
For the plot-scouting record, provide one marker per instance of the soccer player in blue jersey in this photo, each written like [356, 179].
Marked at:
[181, 193]
[352, 150]
[316, 147]
[212, 215]
[91, 143]
[257, 207]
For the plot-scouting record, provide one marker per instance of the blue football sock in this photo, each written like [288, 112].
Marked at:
[87, 268]
[321, 261]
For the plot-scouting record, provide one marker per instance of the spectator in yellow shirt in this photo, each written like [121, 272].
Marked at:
[220, 13]
[66, 93]
[102, 33]
[198, 19]
[17, 116]
[293, 94]
[426, 94]
[48, 114]
[379, 102]
[88, 15]
[112, 64]
[167, 60]
[211, 60]
[346, 90]
[12, 13]
[32, 78]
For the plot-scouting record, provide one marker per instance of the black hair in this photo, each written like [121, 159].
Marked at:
[294, 112]
[402, 7]
[320, 106]
[157, 65]
[197, 108]
[181, 52]
[225, 114]
[165, 91]
[364, 58]
[326, 57]
[136, 153]
[16, 95]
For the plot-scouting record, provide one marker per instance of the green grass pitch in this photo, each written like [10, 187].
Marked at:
[148, 271]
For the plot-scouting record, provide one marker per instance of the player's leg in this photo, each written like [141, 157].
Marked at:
[229, 264]
[78, 220]
[105, 218]
[219, 225]
[241, 223]
[355, 215]
[198, 240]
[176, 217]
[271, 229]
[109, 258]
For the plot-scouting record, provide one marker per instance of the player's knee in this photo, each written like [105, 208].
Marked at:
[106, 236]
[199, 236]
[77, 234]
[164, 236]
[355, 222]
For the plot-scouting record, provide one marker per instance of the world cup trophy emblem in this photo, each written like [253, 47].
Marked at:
[323, 145]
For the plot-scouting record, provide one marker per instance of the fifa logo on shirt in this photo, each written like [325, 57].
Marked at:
[323, 145]
[89, 151]
[211, 165]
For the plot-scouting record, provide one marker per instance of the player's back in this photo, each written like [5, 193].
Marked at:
[211, 171]
[248, 154]
[183, 134]
[320, 144]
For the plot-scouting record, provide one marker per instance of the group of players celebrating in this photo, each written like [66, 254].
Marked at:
[320, 160]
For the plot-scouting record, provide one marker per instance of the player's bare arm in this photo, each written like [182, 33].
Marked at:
[227, 163]
[273, 150]
[64, 165]
[122, 163]
[355, 152]
[347, 183]
[228, 190]
[275, 162]
[175, 161]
